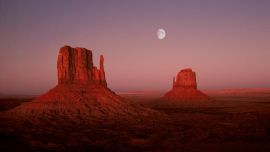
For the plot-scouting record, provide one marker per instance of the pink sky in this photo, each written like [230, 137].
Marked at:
[227, 43]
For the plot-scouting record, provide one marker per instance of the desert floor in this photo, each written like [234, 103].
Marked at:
[233, 122]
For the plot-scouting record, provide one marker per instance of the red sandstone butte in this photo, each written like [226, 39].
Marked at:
[75, 66]
[81, 93]
[185, 88]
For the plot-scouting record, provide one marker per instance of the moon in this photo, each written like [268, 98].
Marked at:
[161, 33]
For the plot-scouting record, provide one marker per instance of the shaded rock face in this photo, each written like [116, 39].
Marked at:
[75, 66]
[185, 87]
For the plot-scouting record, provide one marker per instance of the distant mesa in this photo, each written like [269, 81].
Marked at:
[81, 93]
[185, 88]
[186, 78]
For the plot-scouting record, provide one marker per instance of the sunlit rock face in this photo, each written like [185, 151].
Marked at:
[75, 66]
[185, 87]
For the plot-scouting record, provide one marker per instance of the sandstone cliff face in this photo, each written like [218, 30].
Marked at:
[75, 66]
[185, 88]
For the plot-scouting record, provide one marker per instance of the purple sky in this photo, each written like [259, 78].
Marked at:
[227, 43]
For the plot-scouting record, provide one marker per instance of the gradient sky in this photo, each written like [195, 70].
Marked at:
[226, 42]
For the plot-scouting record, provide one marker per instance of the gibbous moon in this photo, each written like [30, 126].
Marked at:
[161, 33]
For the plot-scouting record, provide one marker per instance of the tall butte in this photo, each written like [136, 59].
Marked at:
[75, 66]
[81, 93]
[185, 88]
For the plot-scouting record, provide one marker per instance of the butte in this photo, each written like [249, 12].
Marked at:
[185, 88]
[81, 93]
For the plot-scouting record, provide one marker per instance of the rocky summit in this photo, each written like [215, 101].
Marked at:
[186, 78]
[185, 88]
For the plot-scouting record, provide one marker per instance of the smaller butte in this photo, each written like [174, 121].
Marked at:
[185, 88]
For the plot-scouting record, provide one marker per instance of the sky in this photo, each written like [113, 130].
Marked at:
[226, 42]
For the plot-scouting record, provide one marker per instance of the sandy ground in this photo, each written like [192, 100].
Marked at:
[233, 122]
